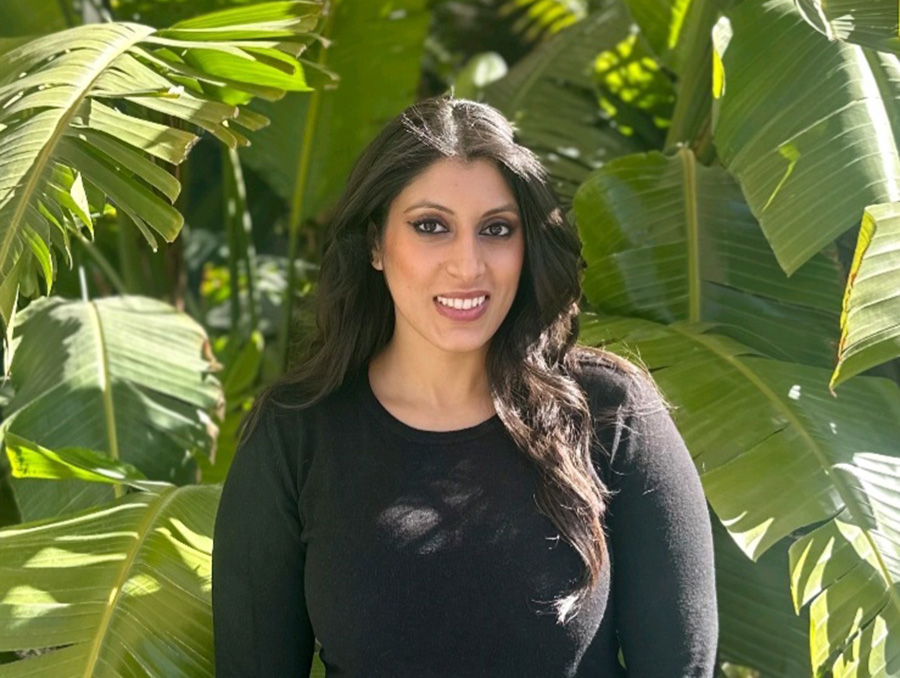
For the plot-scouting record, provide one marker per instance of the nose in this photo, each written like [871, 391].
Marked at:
[466, 261]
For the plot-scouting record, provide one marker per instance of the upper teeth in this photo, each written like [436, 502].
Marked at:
[461, 303]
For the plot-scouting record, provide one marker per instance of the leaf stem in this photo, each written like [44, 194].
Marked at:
[108, 270]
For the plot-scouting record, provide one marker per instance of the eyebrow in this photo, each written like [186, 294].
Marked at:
[510, 207]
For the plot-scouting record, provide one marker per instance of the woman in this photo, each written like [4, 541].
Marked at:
[446, 486]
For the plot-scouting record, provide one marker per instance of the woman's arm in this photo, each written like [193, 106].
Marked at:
[260, 624]
[663, 574]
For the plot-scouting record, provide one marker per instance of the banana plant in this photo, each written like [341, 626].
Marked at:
[668, 239]
[789, 145]
[92, 375]
[873, 23]
[791, 457]
[135, 593]
[62, 136]
[671, 241]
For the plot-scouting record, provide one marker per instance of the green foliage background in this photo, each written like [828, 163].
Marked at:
[732, 167]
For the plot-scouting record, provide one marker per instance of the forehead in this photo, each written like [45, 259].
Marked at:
[477, 183]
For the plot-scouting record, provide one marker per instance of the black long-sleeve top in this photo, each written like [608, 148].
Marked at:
[412, 553]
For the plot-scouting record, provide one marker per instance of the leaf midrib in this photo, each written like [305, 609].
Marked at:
[843, 491]
[103, 379]
[104, 61]
[161, 503]
[692, 233]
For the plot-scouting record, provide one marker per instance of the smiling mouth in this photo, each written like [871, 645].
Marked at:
[462, 304]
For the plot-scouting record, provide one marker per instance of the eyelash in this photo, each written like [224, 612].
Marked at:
[419, 222]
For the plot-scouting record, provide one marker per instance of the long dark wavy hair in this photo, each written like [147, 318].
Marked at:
[530, 362]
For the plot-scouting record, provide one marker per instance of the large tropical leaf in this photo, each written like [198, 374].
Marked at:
[851, 573]
[758, 627]
[551, 96]
[871, 23]
[668, 239]
[162, 13]
[870, 322]
[776, 452]
[93, 375]
[125, 588]
[807, 126]
[59, 129]
[30, 460]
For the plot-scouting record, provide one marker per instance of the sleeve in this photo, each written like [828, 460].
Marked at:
[661, 537]
[260, 624]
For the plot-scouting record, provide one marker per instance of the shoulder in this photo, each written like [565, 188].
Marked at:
[612, 382]
[625, 405]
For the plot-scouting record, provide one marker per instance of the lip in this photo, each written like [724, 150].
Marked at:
[462, 314]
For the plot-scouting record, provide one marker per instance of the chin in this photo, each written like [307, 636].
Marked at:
[462, 346]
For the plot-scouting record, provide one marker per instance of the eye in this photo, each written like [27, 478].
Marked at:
[428, 226]
[498, 229]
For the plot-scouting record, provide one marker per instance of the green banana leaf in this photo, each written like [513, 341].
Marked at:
[811, 135]
[162, 13]
[30, 460]
[668, 239]
[870, 23]
[776, 453]
[59, 129]
[122, 589]
[127, 376]
[851, 573]
[870, 322]
[551, 97]
[758, 627]
[307, 151]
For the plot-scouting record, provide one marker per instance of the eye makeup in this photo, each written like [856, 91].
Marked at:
[487, 229]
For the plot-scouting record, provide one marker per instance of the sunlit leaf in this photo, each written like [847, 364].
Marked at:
[820, 119]
[870, 322]
[123, 588]
[666, 239]
[59, 93]
[91, 375]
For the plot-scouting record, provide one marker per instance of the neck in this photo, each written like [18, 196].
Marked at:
[428, 381]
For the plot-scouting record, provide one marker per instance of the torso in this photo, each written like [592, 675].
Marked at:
[426, 554]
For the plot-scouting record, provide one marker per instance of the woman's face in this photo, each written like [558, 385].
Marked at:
[452, 253]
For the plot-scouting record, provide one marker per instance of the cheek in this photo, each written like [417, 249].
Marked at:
[512, 262]
[407, 268]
